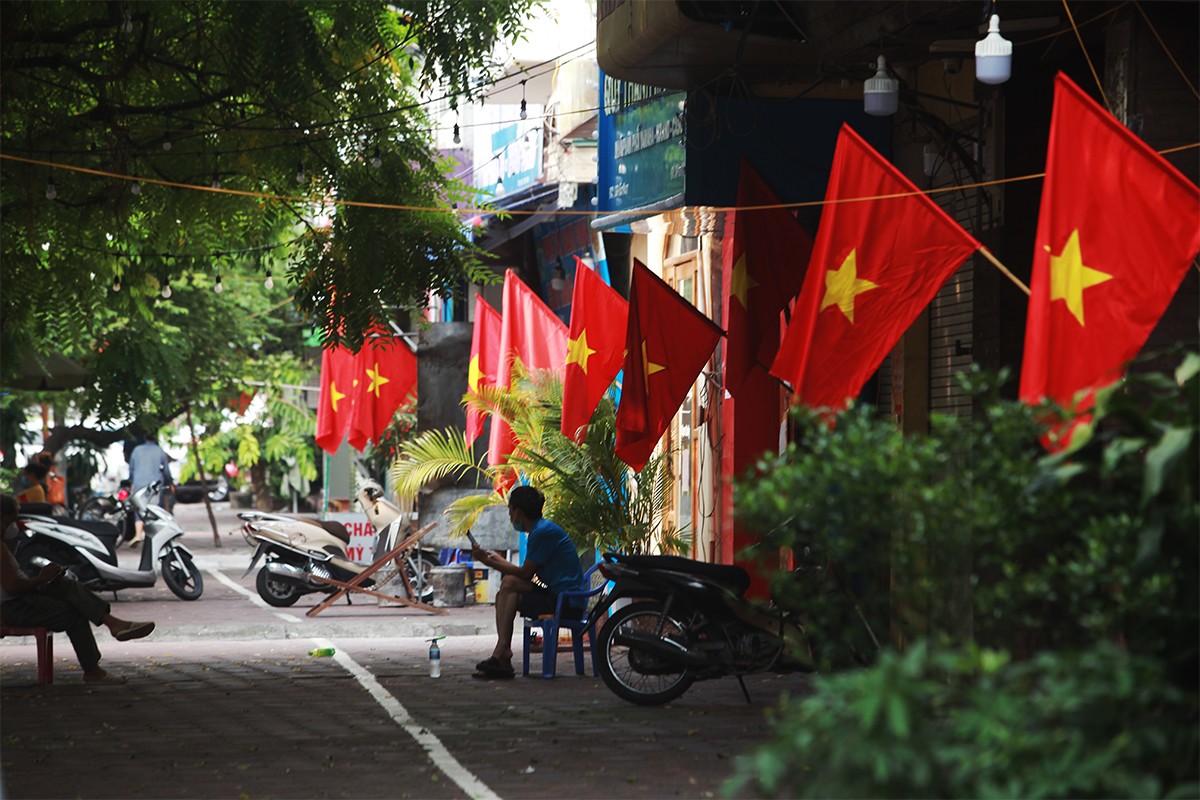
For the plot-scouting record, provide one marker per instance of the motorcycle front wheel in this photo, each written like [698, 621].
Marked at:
[632, 673]
[181, 575]
[276, 591]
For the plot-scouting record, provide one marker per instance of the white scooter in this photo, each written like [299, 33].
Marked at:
[298, 548]
[87, 550]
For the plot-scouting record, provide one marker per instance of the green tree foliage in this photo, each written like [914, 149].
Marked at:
[283, 106]
[1051, 603]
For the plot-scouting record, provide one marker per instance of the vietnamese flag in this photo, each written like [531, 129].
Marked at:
[336, 398]
[485, 361]
[1117, 230]
[875, 265]
[387, 375]
[668, 341]
[530, 331]
[595, 348]
[763, 260]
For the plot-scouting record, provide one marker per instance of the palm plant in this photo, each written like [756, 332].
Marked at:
[590, 492]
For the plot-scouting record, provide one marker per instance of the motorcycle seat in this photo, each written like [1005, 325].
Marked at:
[335, 529]
[730, 575]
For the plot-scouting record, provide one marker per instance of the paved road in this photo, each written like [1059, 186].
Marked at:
[224, 701]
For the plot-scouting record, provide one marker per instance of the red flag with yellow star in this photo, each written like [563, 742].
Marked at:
[668, 342]
[336, 399]
[875, 264]
[485, 361]
[595, 348]
[387, 375]
[530, 331]
[763, 259]
[1117, 230]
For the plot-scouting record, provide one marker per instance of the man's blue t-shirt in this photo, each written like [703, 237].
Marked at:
[557, 563]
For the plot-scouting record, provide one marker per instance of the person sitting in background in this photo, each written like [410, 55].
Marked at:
[52, 600]
[31, 484]
[550, 557]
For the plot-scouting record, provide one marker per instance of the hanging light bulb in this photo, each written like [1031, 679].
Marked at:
[457, 137]
[51, 191]
[881, 93]
[300, 176]
[376, 159]
[167, 145]
[116, 287]
[269, 283]
[136, 188]
[219, 287]
[166, 290]
[127, 22]
[500, 186]
[993, 55]
[216, 181]
[524, 112]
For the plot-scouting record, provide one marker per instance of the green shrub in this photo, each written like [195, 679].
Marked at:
[1078, 572]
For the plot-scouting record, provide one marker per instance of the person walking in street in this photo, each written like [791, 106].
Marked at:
[52, 600]
[551, 566]
[148, 463]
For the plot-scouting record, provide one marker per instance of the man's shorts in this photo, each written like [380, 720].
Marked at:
[541, 602]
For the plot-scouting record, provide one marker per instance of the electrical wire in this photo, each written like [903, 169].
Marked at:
[1087, 56]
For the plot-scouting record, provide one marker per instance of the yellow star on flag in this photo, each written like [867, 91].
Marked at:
[474, 374]
[334, 396]
[377, 380]
[578, 351]
[647, 368]
[740, 283]
[843, 285]
[1069, 277]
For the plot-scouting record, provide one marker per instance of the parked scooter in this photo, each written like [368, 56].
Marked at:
[87, 549]
[298, 548]
[688, 621]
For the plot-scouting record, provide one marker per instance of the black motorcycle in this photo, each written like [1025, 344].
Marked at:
[688, 621]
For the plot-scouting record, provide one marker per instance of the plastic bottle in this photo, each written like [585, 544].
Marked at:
[322, 652]
[435, 658]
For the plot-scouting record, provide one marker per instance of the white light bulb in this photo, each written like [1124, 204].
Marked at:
[51, 191]
[117, 284]
[457, 137]
[166, 290]
[166, 146]
[881, 93]
[136, 188]
[269, 283]
[46, 246]
[220, 287]
[524, 112]
[993, 55]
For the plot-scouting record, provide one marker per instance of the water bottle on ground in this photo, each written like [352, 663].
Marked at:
[435, 658]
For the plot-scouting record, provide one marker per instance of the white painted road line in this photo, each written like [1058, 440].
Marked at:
[437, 751]
[254, 598]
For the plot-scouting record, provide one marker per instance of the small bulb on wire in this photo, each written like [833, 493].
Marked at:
[457, 137]
[51, 191]
[127, 23]
[376, 159]
[136, 188]
[116, 287]
[219, 287]
[524, 111]
[216, 181]
[167, 145]
[300, 176]
[166, 290]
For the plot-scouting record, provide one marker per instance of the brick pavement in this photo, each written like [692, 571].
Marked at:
[225, 702]
[214, 719]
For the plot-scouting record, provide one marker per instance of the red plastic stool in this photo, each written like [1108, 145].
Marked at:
[45, 648]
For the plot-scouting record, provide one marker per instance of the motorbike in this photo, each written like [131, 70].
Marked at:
[688, 621]
[87, 549]
[297, 550]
